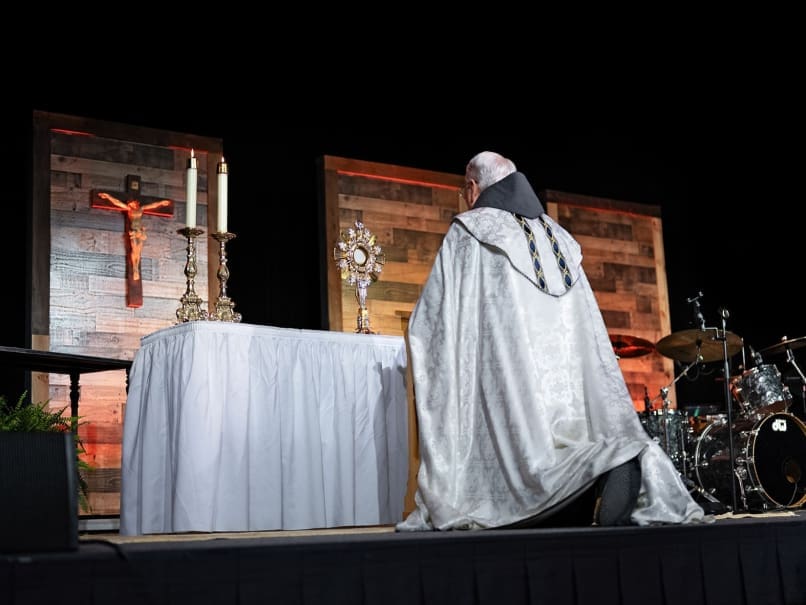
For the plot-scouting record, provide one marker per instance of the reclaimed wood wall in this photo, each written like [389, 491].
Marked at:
[79, 297]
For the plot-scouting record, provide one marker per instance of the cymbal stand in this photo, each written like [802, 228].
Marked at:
[721, 335]
[790, 359]
[664, 392]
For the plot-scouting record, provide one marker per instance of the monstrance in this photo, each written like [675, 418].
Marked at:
[360, 261]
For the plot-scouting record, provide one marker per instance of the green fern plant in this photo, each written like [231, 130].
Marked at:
[35, 417]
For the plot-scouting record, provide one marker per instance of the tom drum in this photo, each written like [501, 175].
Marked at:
[672, 431]
[760, 389]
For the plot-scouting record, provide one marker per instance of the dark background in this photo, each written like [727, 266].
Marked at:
[731, 204]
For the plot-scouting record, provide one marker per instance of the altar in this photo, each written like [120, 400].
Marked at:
[238, 427]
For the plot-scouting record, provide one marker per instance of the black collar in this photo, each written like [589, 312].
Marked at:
[513, 193]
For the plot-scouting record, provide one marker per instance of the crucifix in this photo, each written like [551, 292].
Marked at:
[134, 207]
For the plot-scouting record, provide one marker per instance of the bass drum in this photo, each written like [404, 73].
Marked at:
[770, 458]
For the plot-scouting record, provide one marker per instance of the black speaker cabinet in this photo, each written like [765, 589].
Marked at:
[38, 492]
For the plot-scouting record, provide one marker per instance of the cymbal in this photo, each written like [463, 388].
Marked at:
[781, 347]
[630, 346]
[686, 345]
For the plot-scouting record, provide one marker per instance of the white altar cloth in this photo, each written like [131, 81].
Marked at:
[238, 427]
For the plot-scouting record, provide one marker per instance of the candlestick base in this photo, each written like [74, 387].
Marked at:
[224, 306]
[190, 303]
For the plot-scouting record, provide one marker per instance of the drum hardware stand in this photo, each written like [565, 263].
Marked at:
[790, 359]
[722, 336]
[667, 435]
[664, 396]
[683, 472]
[664, 392]
[703, 492]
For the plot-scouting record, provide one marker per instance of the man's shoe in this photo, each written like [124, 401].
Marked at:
[617, 493]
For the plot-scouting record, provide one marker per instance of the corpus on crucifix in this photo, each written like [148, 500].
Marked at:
[134, 207]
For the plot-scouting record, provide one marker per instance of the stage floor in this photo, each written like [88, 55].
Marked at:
[114, 537]
[734, 560]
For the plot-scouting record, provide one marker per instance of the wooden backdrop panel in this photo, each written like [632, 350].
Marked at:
[624, 259]
[78, 270]
[409, 210]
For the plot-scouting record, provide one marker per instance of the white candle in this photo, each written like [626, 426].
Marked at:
[192, 177]
[221, 225]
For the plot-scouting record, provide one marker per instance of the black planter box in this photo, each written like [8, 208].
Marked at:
[38, 492]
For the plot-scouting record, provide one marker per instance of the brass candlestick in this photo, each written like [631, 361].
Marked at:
[223, 304]
[190, 309]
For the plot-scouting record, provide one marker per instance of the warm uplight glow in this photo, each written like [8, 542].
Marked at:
[76, 133]
[399, 180]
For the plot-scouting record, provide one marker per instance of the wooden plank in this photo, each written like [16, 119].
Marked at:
[379, 324]
[79, 199]
[126, 132]
[102, 504]
[644, 321]
[76, 189]
[137, 326]
[630, 274]
[104, 233]
[568, 200]
[95, 383]
[407, 273]
[391, 171]
[103, 480]
[163, 286]
[602, 284]
[332, 316]
[105, 344]
[639, 291]
[403, 210]
[108, 265]
[384, 225]
[392, 309]
[389, 290]
[102, 455]
[116, 173]
[383, 188]
[617, 300]
[110, 150]
[40, 231]
[92, 394]
[101, 432]
[422, 247]
[617, 254]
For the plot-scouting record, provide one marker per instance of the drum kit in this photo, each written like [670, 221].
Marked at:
[765, 469]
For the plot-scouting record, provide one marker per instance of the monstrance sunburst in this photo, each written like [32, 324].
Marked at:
[360, 261]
